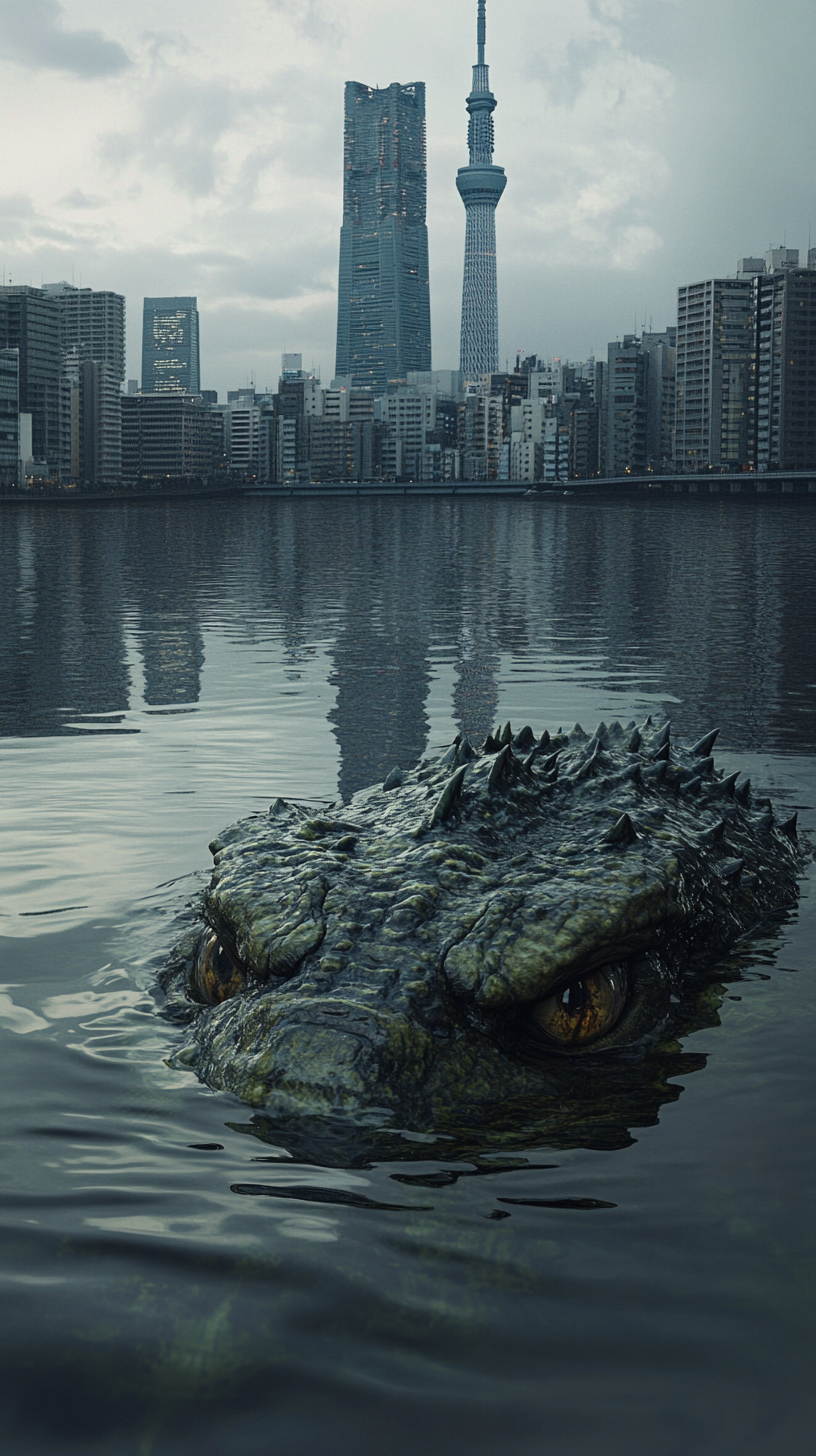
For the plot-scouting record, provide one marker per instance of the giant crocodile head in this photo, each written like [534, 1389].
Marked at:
[483, 940]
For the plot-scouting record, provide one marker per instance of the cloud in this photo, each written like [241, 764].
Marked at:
[79, 201]
[308, 18]
[23, 228]
[182, 122]
[217, 136]
[599, 164]
[32, 34]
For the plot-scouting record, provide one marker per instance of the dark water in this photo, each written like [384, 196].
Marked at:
[164, 671]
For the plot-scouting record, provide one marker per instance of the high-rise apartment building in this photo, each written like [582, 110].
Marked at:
[29, 322]
[714, 391]
[91, 322]
[170, 362]
[92, 421]
[625, 408]
[384, 309]
[638, 403]
[480, 436]
[480, 185]
[785, 437]
[661, 367]
[92, 345]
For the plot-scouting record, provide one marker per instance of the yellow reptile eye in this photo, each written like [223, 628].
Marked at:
[218, 975]
[586, 1009]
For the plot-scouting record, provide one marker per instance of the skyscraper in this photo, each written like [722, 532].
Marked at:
[480, 185]
[384, 308]
[29, 322]
[170, 346]
[9, 416]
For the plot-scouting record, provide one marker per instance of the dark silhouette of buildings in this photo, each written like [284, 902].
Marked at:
[30, 323]
[786, 370]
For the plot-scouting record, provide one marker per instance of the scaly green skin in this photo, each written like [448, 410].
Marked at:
[393, 948]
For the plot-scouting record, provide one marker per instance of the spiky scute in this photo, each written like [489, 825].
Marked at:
[388, 944]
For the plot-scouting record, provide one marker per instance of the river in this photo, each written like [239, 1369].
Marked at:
[167, 669]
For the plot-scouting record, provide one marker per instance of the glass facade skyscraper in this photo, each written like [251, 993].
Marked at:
[384, 309]
[30, 323]
[170, 362]
[9, 416]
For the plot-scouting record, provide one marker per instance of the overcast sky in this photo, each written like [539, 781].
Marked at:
[189, 146]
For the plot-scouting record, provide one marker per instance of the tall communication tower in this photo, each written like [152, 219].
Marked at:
[480, 185]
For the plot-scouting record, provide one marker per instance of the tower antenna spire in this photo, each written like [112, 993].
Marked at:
[480, 185]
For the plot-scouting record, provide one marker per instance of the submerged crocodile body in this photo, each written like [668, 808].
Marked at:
[490, 939]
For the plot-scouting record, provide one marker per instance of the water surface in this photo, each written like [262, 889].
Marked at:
[165, 670]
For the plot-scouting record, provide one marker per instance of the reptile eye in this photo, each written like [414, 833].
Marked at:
[586, 1009]
[218, 975]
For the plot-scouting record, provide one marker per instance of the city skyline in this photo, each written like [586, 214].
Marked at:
[161, 162]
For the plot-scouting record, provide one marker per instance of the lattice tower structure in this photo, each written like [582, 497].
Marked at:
[480, 186]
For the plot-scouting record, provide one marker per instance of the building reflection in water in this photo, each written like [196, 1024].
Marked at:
[381, 653]
[165, 571]
[62, 647]
[707, 608]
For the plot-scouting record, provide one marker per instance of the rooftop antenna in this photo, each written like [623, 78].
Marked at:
[480, 31]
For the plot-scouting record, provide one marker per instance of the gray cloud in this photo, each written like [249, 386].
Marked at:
[25, 229]
[182, 125]
[31, 33]
[309, 18]
[79, 201]
[16, 219]
[182, 122]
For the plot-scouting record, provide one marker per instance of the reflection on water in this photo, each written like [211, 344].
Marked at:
[707, 604]
[610, 1288]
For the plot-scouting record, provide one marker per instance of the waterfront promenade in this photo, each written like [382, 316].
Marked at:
[779, 483]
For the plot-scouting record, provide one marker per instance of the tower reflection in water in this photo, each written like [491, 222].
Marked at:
[702, 607]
